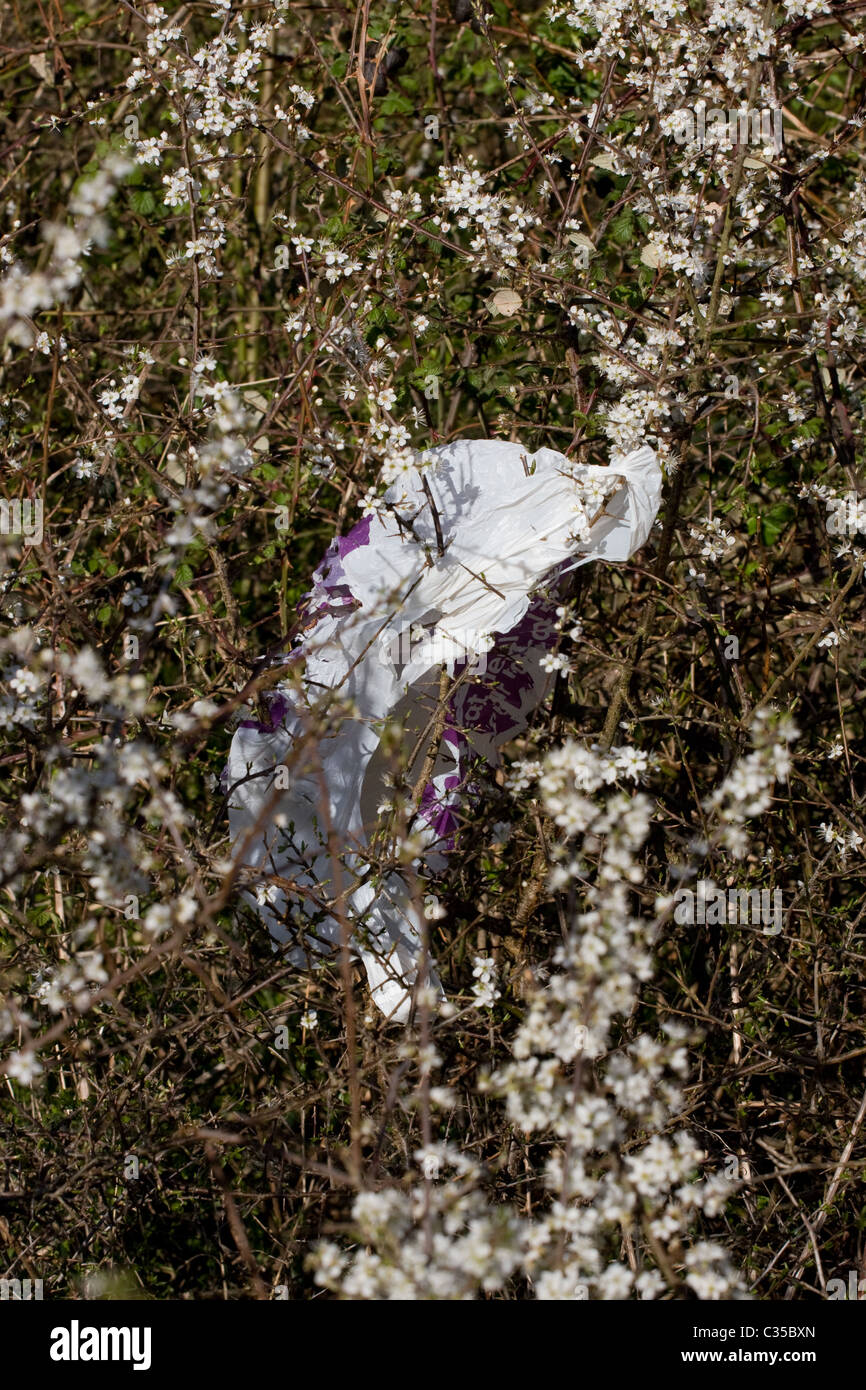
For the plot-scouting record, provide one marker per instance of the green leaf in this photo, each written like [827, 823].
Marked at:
[622, 228]
[143, 202]
[774, 522]
[336, 229]
[395, 104]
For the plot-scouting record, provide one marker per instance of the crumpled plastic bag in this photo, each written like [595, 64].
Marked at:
[455, 570]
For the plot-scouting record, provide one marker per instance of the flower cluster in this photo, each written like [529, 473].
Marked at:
[748, 790]
[593, 1089]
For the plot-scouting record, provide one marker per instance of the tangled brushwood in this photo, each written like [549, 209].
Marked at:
[506, 1015]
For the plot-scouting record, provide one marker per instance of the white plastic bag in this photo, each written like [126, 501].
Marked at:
[447, 571]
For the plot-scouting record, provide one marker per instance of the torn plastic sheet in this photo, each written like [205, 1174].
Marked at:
[456, 570]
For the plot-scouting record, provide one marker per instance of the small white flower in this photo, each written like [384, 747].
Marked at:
[157, 920]
[24, 1067]
[554, 661]
[484, 990]
[385, 397]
